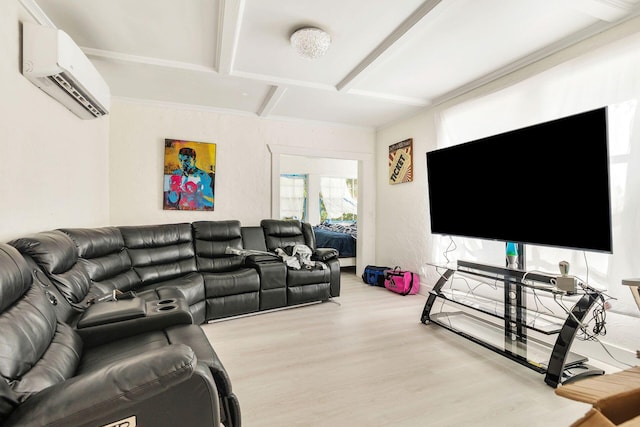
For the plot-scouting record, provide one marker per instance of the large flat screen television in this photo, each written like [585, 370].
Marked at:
[546, 184]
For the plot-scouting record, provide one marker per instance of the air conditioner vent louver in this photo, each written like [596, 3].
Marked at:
[54, 63]
[60, 80]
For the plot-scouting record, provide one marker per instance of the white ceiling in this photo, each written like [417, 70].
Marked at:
[388, 59]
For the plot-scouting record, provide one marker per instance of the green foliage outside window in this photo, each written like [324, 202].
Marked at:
[348, 203]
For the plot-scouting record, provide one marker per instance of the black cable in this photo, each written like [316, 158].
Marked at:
[599, 320]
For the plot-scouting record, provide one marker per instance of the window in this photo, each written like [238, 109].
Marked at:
[293, 196]
[338, 199]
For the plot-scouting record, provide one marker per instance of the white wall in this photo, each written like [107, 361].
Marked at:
[599, 71]
[243, 164]
[319, 166]
[54, 165]
[401, 209]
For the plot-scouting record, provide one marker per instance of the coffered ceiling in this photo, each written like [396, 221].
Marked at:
[387, 60]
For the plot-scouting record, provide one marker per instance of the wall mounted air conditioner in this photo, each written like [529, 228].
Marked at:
[53, 62]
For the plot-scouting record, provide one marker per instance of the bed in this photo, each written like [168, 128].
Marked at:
[341, 237]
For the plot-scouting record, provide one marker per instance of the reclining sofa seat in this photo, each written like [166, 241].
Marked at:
[164, 259]
[304, 285]
[71, 281]
[50, 377]
[102, 254]
[230, 287]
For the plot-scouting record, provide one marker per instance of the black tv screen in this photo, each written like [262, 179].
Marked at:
[546, 184]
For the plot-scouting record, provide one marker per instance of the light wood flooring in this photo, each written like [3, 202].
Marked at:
[367, 360]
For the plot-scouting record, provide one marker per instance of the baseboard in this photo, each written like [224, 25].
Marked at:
[272, 310]
[347, 262]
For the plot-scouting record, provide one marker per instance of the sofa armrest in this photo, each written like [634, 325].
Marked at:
[324, 254]
[95, 395]
[112, 311]
[252, 260]
[158, 315]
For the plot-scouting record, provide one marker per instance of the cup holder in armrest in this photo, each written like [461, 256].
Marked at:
[166, 307]
[172, 307]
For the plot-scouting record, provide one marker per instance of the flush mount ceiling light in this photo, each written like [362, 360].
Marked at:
[310, 42]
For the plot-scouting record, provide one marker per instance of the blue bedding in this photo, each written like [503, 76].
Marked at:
[344, 243]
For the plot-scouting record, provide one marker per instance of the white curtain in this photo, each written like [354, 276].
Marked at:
[338, 197]
[608, 76]
[293, 196]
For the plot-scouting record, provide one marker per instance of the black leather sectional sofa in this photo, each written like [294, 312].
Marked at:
[101, 325]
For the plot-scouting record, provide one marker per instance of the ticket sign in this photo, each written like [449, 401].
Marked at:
[401, 162]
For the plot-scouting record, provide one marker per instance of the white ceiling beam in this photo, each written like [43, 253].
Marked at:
[147, 60]
[384, 48]
[604, 10]
[405, 100]
[271, 101]
[276, 81]
[37, 13]
[229, 23]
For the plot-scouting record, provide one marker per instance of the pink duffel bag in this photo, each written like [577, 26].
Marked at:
[401, 282]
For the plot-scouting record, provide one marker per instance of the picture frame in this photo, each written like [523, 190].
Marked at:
[189, 175]
[401, 162]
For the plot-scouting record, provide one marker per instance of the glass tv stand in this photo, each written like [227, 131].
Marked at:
[500, 319]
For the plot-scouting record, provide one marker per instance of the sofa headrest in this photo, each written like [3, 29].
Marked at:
[53, 250]
[95, 242]
[219, 231]
[15, 276]
[281, 228]
[282, 233]
[152, 236]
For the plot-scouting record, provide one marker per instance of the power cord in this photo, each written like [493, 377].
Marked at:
[449, 249]
[598, 318]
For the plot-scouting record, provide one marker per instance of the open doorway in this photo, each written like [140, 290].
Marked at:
[365, 189]
[324, 193]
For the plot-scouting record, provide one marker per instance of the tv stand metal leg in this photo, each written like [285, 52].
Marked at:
[554, 376]
[434, 293]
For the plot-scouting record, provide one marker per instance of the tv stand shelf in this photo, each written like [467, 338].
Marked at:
[535, 321]
[505, 326]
